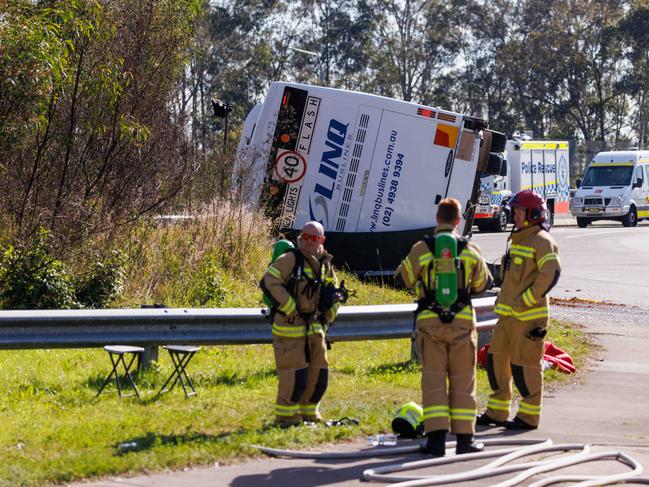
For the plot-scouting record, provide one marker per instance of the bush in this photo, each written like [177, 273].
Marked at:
[30, 278]
[208, 285]
[104, 282]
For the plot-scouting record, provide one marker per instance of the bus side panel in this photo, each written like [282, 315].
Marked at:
[327, 163]
[373, 170]
[411, 165]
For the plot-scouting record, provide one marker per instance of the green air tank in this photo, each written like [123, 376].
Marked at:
[446, 269]
[281, 246]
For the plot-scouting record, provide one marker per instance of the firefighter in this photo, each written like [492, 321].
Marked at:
[446, 337]
[531, 269]
[293, 283]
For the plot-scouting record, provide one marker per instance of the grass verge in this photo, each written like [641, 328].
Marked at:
[54, 430]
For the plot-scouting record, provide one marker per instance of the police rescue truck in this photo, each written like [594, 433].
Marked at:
[371, 169]
[615, 187]
[541, 165]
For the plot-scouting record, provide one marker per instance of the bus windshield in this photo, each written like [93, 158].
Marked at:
[608, 176]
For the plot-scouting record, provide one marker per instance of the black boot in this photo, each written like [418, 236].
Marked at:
[518, 424]
[435, 443]
[465, 444]
[484, 420]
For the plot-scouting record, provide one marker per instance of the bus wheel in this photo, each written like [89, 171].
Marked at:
[631, 218]
[582, 222]
[500, 223]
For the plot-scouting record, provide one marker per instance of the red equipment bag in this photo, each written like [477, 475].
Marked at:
[551, 353]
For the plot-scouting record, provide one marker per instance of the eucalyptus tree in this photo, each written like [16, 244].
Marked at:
[416, 44]
[99, 144]
[480, 85]
[634, 32]
[566, 65]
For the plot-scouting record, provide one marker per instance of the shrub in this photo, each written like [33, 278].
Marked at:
[104, 282]
[30, 278]
[208, 285]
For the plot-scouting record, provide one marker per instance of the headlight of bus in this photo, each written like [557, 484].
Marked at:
[484, 199]
[577, 201]
[617, 201]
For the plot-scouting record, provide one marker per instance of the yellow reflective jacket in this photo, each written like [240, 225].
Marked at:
[530, 269]
[295, 302]
[416, 271]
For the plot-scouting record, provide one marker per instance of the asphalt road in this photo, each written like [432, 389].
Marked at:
[606, 262]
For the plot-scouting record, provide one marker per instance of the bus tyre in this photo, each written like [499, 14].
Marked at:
[498, 141]
[494, 163]
[500, 222]
[582, 222]
[631, 218]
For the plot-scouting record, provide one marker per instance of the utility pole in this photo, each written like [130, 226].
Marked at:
[221, 110]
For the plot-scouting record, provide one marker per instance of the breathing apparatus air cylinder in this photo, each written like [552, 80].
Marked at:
[281, 247]
[446, 269]
[408, 421]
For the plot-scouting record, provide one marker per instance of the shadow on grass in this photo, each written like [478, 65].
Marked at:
[394, 368]
[233, 378]
[152, 379]
[150, 439]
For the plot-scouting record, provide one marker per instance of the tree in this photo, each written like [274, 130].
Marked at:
[634, 32]
[100, 144]
[416, 44]
[567, 66]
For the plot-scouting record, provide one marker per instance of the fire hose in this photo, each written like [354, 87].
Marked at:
[503, 463]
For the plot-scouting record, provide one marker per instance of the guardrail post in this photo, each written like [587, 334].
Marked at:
[150, 355]
[150, 351]
[415, 355]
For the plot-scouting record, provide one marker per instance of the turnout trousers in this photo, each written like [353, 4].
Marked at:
[317, 376]
[448, 352]
[291, 364]
[301, 384]
[514, 355]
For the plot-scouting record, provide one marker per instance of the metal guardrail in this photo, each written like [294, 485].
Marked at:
[217, 326]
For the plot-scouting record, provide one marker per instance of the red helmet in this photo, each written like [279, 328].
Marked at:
[533, 202]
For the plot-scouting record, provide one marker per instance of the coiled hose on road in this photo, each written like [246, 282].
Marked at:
[516, 449]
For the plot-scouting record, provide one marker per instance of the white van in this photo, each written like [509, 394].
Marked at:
[371, 169]
[615, 187]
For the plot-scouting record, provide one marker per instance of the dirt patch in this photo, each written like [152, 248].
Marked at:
[575, 302]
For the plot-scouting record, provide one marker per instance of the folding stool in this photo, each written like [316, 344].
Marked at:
[120, 351]
[180, 356]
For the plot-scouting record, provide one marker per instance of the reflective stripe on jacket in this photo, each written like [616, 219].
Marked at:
[533, 270]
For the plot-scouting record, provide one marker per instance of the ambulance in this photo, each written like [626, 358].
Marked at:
[615, 187]
[541, 165]
[371, 169]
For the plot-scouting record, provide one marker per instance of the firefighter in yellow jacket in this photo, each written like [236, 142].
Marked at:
[446, 337]
[294, 283]
[531, 269]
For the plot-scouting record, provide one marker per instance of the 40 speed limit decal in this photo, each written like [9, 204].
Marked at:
[290, 166]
